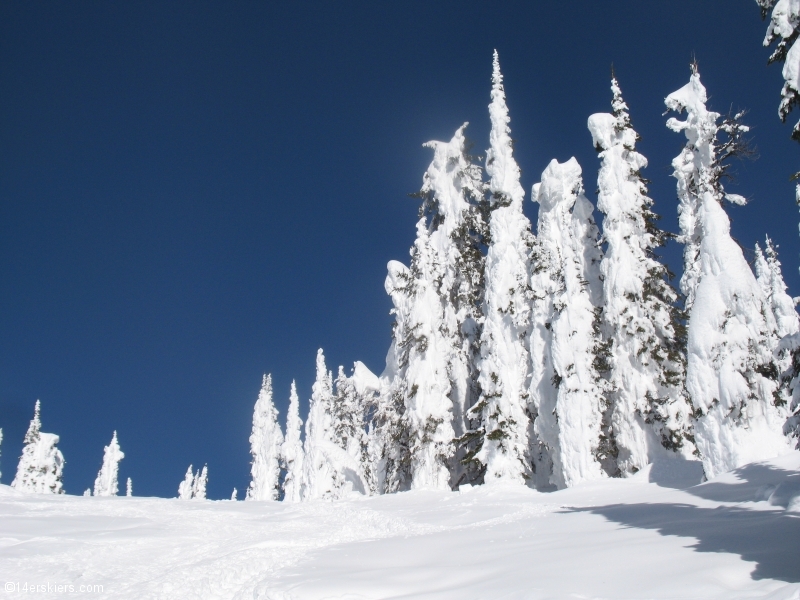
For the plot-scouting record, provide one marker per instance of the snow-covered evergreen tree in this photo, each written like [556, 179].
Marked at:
[187, 485]
[129, 488]
[647, 409]
[234, 493]
[320, 478]
[350, 459]
[783, 25]
[292, 450]
[266, 440]
[502, 446]
[436, 310]
[41, 466]
[106, 482]
[566, 390]
[199, 484]
[728, 351]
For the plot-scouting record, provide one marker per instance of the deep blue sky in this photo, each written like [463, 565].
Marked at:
[194, 193]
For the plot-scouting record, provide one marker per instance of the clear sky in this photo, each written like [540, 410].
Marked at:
[195, 193]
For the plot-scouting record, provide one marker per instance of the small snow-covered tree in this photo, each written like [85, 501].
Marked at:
[199, 484]
[729, 358]
[350, 457]
[503, 422]
[566, 391]
[106, 482]
[783, 25]
[293, 450]
[266, 440]
[186, 488]
[129, 488]
[41, 466]
[233, 495]
[320, 478]
[647, 410]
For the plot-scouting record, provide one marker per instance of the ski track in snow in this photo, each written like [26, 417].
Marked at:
[734, 537]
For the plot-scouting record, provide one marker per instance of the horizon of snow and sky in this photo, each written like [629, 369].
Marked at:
[194, 195]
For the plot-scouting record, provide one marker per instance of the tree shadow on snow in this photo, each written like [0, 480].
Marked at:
[753, 483]
[766, 537]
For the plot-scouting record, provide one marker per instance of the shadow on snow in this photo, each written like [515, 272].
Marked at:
[761, 535]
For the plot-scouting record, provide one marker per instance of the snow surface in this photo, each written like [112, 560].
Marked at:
[734, 537]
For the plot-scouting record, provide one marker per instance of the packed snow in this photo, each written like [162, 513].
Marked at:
[654, 535]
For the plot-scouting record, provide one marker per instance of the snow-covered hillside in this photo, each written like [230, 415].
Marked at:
[654, 535]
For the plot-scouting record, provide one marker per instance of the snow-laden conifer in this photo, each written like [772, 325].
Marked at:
[199, 484]
[129, 488]
[565, 388]
[106, 482]
[41, 466]
[783, 25]
[728, 353]
[186, 488]
[234, 493]
[350, 457]
[320, 478]
[438, 300]
[266, 440]
[502, 446]
[389, 440]
[293, 450]
[647, 410]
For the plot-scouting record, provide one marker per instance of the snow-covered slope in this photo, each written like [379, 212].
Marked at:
[643, 537]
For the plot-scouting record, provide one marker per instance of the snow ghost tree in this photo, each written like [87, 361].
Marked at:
[502, 445]
[41, 466]
[782, 319]
[292, 450]
[106, 482]
[435, 339]
[566, 390]
[199, 484]
[265, 447]
[729, 360]
[186, 487]
[783, 24]
[129, 488]
[641, 325]
[193, 486]
[320, 478]
[351, 458]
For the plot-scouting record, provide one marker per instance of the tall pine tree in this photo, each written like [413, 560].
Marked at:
[728, 354]
[266, 440]
[320, 478]
[503, 422]
[292, 450]
[566, 390]
[647, 410]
